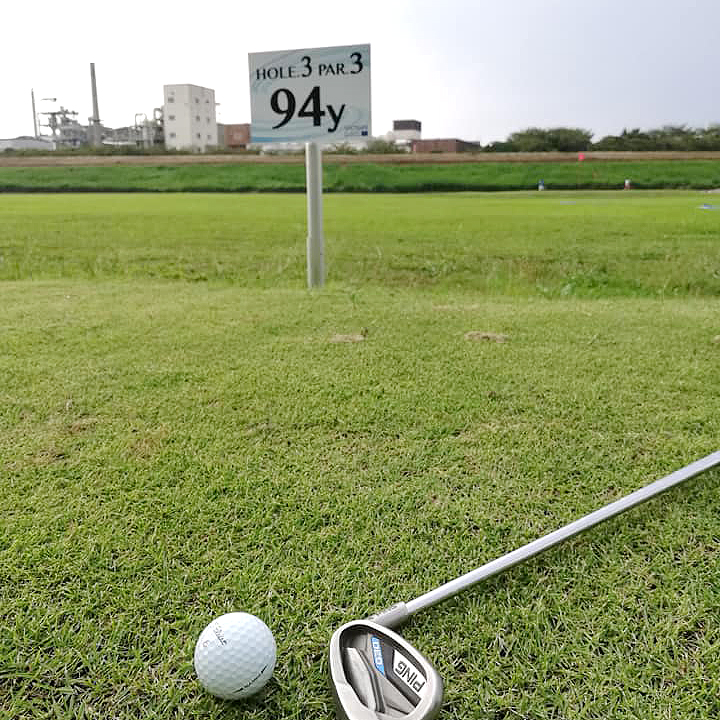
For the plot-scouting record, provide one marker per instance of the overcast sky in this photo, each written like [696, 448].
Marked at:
[472, 70]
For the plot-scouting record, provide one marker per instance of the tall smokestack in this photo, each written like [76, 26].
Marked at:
[95, 119]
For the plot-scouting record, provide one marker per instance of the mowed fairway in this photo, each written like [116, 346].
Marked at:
[186, 430]
[598, 244]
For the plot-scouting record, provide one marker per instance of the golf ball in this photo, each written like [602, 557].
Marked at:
[235, 656]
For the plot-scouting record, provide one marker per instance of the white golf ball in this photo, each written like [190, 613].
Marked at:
[235, 656]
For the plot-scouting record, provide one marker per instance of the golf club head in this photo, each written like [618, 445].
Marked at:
[376, 675]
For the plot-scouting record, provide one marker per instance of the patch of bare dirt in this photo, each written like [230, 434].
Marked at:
[480, 335]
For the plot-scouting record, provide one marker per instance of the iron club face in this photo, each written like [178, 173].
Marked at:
[375, 675]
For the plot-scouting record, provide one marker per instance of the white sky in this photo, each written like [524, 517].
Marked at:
[473, 70]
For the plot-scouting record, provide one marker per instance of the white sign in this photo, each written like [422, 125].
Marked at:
[320, 95]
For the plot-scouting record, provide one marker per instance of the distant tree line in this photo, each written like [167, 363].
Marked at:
[668, 137]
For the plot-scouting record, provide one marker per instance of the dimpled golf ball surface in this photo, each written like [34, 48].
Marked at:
[235, 656]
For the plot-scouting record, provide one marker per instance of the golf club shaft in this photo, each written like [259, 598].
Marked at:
[398, 613]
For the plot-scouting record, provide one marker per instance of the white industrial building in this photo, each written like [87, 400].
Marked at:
[189, 117]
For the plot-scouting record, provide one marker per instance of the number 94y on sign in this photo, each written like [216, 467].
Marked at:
[320, 94]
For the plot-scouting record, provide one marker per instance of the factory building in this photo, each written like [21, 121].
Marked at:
[445, 145]
[236, 136]
[404, 133]
[189, 117]
[407, 130]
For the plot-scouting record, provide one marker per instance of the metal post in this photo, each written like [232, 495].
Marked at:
[400, 612]
[315, 239]
[537, 546]
[35, 122]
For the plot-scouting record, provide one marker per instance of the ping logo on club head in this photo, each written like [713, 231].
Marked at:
[408, 673]
[377, 654]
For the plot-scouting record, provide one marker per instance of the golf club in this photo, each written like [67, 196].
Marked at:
[375, 674]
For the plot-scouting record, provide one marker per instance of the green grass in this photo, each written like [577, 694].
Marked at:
[366, 177]
[592, 244]
[172, 450]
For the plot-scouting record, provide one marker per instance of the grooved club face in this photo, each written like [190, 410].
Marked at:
[376, 675]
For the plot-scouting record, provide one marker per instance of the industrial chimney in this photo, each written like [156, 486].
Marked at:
[94, 129]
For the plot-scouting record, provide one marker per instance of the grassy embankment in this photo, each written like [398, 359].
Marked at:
[359, 177]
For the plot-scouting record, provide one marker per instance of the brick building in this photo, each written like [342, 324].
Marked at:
[445, 145]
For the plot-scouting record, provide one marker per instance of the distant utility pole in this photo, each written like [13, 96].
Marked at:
[35, 124]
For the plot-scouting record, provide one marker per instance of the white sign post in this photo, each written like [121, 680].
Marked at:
[319, 96]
